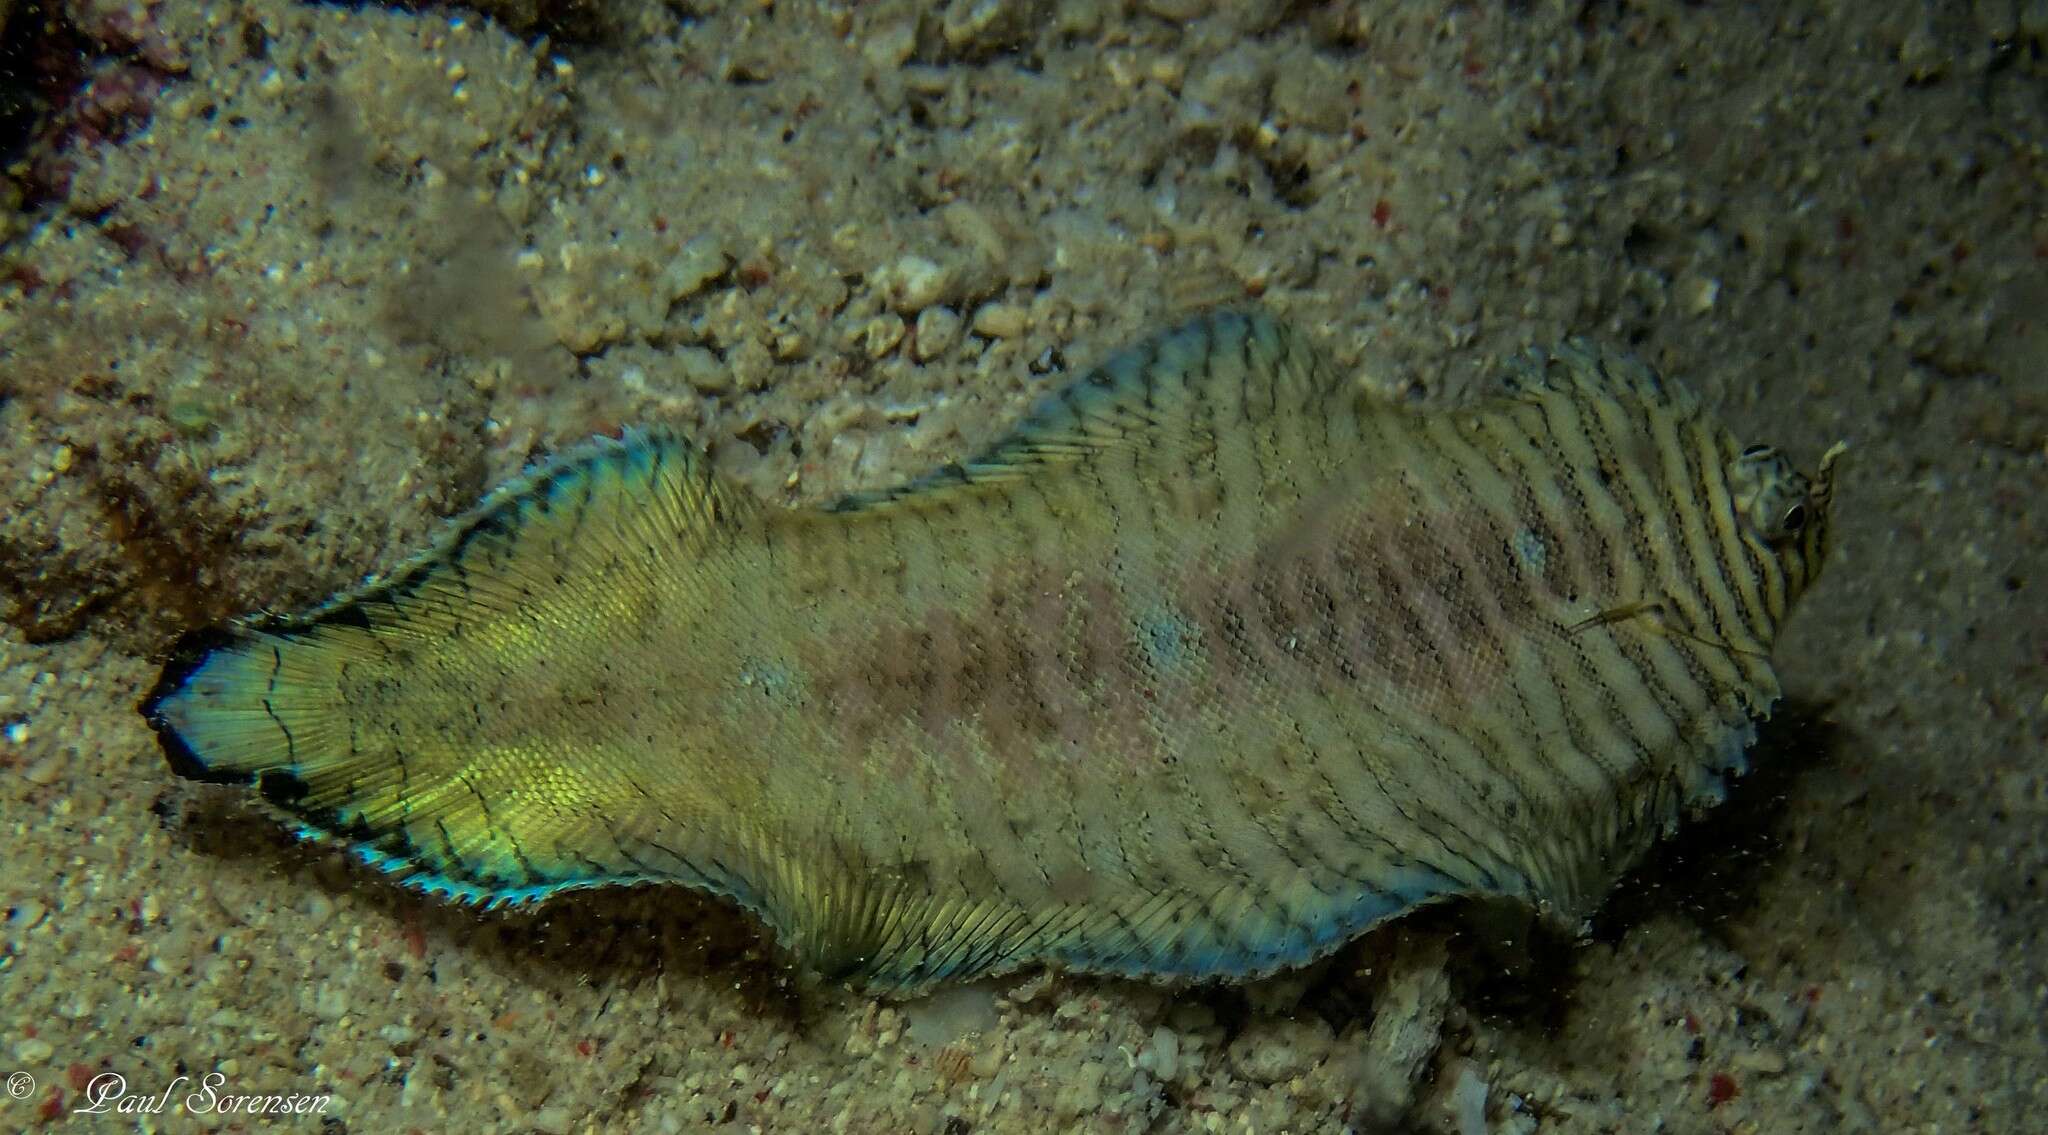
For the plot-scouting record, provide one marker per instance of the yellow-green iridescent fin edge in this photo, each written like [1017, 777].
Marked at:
[216, 725]
[1139, 391]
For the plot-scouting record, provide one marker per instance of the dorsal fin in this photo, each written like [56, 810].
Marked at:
[1246, 366]
[1579, 367]
[531, 529]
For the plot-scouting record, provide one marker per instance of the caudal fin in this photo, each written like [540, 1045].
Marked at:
[427, 722]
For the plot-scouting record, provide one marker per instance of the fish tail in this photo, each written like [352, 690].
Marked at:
[236, 704]
[403, 720]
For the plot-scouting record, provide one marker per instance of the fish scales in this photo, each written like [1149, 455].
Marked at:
[1214, 662]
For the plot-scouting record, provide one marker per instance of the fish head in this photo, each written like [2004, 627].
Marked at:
[1785, 512]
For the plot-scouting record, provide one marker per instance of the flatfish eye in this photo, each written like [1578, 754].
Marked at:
[1770, 493]
[1780, 511]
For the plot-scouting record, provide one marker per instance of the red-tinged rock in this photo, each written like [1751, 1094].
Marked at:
[1720, 1089]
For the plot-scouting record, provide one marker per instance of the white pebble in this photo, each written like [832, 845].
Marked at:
[913, 283]
[938, 329]
[881, 335]
[703, 370]
[700, 262]
[1162, 1056]
[999, 320]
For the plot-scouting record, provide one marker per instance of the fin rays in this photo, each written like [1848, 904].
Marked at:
[288, 703]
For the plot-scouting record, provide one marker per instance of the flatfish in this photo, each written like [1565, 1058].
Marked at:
[1213, 663]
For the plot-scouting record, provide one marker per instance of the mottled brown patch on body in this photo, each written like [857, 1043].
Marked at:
[1423, 605]
[1038, 660]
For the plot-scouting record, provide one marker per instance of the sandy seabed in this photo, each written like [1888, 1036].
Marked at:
[284, 285]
